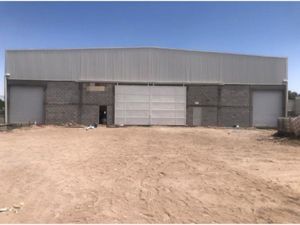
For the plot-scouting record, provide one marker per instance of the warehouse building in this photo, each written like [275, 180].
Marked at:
[144, 86]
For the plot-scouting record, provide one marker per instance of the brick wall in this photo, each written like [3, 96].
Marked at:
[233, 95]
[89, 114]
[221, 105]
[105, 97]
[91, 100]
[206, 97]
[202, 95]
[57, 114]
[73, 102]
[234, 108]
[62, 102]
[62, 93]
[229, 116]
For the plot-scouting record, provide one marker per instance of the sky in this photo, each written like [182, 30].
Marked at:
[262, 28]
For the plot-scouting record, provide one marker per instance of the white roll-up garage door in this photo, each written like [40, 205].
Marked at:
[26, 104]
[267, 107]
[150, 105]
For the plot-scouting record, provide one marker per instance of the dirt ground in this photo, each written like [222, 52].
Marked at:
[148, 175]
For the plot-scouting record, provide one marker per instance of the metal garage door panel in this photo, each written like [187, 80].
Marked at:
[26, 104]
[132, 105]
[150, 105]
[168, 105]
[267, 107]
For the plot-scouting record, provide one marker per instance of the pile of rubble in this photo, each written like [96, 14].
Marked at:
[296, 126]
[289, 126]
[15, 208]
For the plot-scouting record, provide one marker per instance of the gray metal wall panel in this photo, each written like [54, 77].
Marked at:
[145, 65]
[44, 65]
[26, 104]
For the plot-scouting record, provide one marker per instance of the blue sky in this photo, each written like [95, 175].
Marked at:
[264, 28]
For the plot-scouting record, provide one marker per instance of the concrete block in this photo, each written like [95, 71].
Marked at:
[229, 116]
[203, 95]
[235, 95]
[208, 116]
[110, 115]
[189, 116]
[89, 114]
[56, 114]
[62, 93]
[105, 97]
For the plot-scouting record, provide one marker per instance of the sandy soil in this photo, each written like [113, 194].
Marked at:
[148, 175]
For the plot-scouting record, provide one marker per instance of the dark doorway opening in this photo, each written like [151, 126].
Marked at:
[102, 114]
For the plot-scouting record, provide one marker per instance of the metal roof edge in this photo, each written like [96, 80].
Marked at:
[144, 47]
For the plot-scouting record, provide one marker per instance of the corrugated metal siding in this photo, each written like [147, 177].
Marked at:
[150, 105]
[145, 65]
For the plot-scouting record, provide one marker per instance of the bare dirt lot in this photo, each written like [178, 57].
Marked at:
[148, 175]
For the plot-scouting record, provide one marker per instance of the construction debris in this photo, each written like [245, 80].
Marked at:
[289, 126]
[4, 210]
[92, 126]
[15, 208]
[295, 124]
